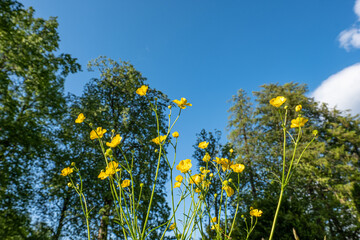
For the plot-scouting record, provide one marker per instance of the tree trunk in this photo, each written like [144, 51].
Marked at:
[62, 217]
[103, 230]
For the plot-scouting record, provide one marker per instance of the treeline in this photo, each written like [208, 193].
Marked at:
[38, 138]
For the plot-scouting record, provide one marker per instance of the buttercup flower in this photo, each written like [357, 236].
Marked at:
[115, 141]
[197, 190]
[238, 168]
[142, 90]
[182, 103]
[298, 122]
[216, 226]
[225, 163]
[278, 101]
[175, 134]
[184, 166]
[203, 145]
[206, 158]
[179, 178]
[66, 171]
[231, 150]
[255, 212]
[177, 184]
[298, 108]
[102, 175]
[159, 140]
[111, 169]
[172, 226]
[197, 179]
[125, 183]
[229, 191]
[98, 134]
[214, 219]
[80, 118]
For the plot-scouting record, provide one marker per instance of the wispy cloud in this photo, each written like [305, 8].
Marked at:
[350, 38]
[341, 89]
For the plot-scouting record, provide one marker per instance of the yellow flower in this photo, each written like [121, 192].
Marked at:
[203, 145]
[229, 191]
[159, 140]
[172, 226]
[238, 168]
[231, 150]
[298, 108]
[204, 171]
[217, 227]
[255, 212]
[214, 219]
[179, 178]
[177, 184]
[125, 183]
[66, 171]
[80, 118]
[98, 134]
[197, 190]
[115, 141]
[142, 90]
[102, 175]
[225, 163]
[182, 103]
[175, 134]
[111, 169]
[184, 166]
[278, 101]
[197, 178]
[206, 158]
[298, 122]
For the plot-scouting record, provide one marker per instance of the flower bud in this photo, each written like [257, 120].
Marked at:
[298, 108]
[69, 184]
[286, 107]
[90, 124]
[230, 180]
[73, 164]
[141, 185]
[215, 195]
[108, 152]
[315, 132]
[202, 169]
[169, 107]
[226, 182]
[211, 175]
[113, 131]
[156, 150]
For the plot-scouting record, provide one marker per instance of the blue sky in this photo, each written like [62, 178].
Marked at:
[207, 50]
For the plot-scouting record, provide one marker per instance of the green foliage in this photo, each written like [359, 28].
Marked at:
[321, 198]
[31, 100]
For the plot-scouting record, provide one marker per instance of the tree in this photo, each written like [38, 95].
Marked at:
[321, 199]
[110, 102]
[31, 99]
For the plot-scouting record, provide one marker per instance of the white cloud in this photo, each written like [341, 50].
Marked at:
[341, 89]
[351, 37]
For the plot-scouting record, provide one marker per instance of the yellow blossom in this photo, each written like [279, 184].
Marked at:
[172, 226]
[197, 179]
[175, 134]
[102, 175]
[203, 145]
[142, 90]
[204, 171]
[80, 118]
[278, 101]
[66, 171]
[238, 168]
[197, 190]
[255, 212]
[206, 158]
[298, 108]
[214, 219]
[298, 122]
[217, 227]
[125, 183]
[182, 103]
[231, 150]
[111, 169]
[159, 140]
[115, 141]
[98, 134]
[229, 191]
[177, 184]
[179, 178]
[184, 166]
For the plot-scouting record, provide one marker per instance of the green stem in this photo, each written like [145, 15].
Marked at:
[276, 214]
